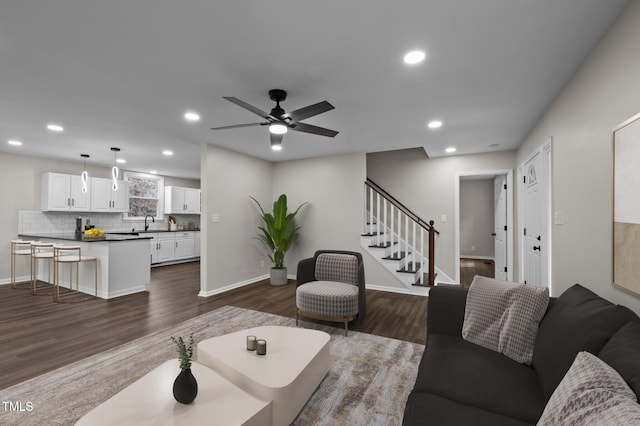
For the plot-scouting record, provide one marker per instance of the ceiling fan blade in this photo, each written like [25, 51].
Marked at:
[275, 139]
[251, 108]
[310, 111]
[235, 126]
[308, 128]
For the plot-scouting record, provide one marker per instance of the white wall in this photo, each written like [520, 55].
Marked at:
[333, 219]
[476, 218]
[603, 93]
[426, 186]
[230, 254]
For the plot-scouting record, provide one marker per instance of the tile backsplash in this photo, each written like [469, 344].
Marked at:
[52, 222]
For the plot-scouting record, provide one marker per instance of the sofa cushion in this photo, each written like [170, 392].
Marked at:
[576, 318]
[622, 353]
[504, 316]
[433, 410]
[470, 374]
[591, 393]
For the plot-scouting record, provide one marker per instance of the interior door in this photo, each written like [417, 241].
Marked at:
[534, 244]
[500, 226]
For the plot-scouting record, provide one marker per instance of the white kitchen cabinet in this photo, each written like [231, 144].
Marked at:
[184, 245]
[178, 200]
[196, 243]
[154, 247]
[105, 199]
[62, 192]
[165, 249]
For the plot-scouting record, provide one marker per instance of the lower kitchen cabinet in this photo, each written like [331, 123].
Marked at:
[170, 246]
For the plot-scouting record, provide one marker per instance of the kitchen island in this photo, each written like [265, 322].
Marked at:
[123, 262]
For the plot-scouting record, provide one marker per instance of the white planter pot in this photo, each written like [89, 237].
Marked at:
[278, 276]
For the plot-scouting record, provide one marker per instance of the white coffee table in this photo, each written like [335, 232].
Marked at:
[297, 360]
[149, 401]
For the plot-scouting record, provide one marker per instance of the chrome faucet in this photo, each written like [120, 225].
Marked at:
[146, 225]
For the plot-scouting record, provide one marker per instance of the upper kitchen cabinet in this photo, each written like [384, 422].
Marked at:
[181, 200]
[105, 199]
[62, 192]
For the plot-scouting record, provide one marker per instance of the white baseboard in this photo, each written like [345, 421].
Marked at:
[232, 286]
[415, 291]
[4, 281]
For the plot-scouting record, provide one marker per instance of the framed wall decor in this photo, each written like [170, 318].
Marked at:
[626, 205]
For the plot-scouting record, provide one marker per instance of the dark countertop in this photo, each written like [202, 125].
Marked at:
[72, 236]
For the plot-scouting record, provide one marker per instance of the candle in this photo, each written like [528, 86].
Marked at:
[261, 347]
[251, 343]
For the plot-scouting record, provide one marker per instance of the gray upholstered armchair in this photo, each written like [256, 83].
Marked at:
[330, 287]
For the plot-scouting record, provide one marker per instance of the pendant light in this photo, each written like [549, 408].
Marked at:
[114, 169]
[84, 175]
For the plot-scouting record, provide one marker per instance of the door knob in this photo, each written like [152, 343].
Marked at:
[536, 248]
[493, 234]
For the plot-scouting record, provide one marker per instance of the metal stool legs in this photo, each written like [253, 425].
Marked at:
[71, 255]
[19, 248]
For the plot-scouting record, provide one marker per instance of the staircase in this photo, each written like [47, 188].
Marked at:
[400, 241]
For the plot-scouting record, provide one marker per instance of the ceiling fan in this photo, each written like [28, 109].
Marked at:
[280, 122]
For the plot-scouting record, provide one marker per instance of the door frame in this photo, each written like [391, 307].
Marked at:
[546, 152]
[485, 174]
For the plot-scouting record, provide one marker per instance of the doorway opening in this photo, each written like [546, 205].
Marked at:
[483, 224]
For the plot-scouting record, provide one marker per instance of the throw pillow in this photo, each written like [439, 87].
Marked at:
[622, 353]
[591, 393]
[504, 316]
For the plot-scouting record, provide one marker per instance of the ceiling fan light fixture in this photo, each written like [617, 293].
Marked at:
[278, 128]
[276, 147]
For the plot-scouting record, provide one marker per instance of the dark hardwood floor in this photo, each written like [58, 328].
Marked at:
[469, 268]
[37, 335]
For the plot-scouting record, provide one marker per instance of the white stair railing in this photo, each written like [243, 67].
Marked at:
[401, 233]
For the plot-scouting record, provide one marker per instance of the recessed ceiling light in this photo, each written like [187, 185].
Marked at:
[55, 127]
[167, 153]
[435, 124]
[450, 150]
[14, 143]
[121, 160]
[153, 172]
[191, 116]
[414, 57]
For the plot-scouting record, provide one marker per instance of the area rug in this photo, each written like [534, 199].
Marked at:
[368, 382]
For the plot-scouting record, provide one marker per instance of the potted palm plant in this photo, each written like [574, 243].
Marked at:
[278, 233]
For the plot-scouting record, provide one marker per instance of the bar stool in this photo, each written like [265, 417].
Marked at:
[70, 255]
[40, 251]
[19, 248]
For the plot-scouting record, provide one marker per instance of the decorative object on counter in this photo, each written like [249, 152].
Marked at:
[190, 225]
[251, 343]
[185, 387]
[93, 233]
[84, 175]
[261, 347]
[173, 223]
[114, 169]
[278, 233]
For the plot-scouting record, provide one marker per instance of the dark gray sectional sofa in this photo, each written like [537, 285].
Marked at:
[460, 383]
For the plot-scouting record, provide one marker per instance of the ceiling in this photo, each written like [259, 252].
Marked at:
[122, 73]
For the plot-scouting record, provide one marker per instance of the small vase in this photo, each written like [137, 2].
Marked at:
[185, 387]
